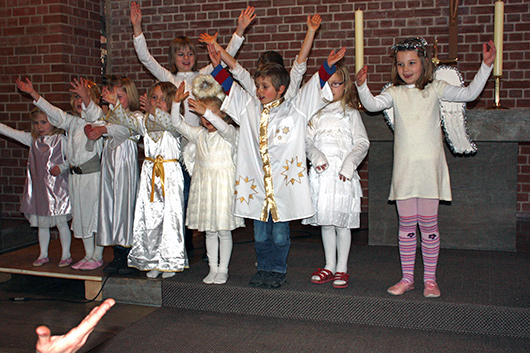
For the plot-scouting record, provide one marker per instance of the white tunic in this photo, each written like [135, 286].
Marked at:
[420, 168]
[158, 232]
[83, 188]
[212, 183]
[338, 138]
[45, 201]
[286, 148]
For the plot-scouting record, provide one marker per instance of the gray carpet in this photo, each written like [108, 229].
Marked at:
[485, 307]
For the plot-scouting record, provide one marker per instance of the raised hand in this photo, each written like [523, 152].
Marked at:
[136, 18]
[215, 55]
[81, 88]
[313, 22]
[334, 58]
[197, 106]
[244, 20]
[489, 52]
[360, 78]
[27, 87]
[181, 93]
[109, 96]
[208, 39]
[145, 104]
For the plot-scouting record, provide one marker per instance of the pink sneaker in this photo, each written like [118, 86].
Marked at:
[91, 265]
[431, 290]
[41, 261]
[78, 264]
[400, 288]
[65, 262]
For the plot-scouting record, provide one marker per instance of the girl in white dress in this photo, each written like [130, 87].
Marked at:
[420, 176]
[336, 144]
[45, 202]
[119, 170]
[158, 231]
[84, 179]
[213, 173]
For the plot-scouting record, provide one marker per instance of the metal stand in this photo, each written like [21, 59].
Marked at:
[497, 102]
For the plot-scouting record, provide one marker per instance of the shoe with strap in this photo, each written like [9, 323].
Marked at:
[431, 290]
[341, 280]
[322, 275]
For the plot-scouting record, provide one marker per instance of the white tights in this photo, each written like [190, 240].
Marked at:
[219, 250]
[92, 250]
[336, 242]
[64, 235]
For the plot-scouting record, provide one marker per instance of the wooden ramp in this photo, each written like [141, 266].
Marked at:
[20, 262]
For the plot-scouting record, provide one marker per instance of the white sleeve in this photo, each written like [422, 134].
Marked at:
[150, 63]
[181, 126]
[216, 121]
[311, 97]
[371, 103]
[57, 117]
[314, 155]
[242, 76]
[360, 145]
[296, 75]
[20, 136]
[92, 113]
[471, 92]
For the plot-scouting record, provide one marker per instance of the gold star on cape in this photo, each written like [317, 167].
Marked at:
[245, 189]
[294, 171]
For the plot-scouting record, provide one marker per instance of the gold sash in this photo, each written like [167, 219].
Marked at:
[158, 171]
[270, 202]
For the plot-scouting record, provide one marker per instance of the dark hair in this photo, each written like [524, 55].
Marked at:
[270, 56]
[420, 46]
[276, 73]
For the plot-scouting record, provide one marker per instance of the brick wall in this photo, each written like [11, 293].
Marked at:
[280, 26]
[50, 42]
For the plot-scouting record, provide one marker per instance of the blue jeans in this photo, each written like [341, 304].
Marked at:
[272, 242]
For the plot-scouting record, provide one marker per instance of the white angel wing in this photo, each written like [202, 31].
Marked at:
[453, 114]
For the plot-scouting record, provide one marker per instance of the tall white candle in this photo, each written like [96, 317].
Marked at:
[359, 45]
[497, 37]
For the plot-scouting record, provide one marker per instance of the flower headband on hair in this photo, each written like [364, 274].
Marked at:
[418, 43]
[206, 86]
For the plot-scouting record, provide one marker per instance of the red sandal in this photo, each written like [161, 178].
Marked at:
[341, 280]
[323, 276]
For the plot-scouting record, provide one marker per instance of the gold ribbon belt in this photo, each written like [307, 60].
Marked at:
[158, 171]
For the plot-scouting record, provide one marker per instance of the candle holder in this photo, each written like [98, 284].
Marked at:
[497, 97]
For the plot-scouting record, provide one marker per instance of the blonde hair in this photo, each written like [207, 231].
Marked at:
[348, 96]
[181, 43]
[34, 114]
[93, 91]
[168, 89]
[128, 87]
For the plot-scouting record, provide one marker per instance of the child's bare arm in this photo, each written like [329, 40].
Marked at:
[136, 18]
[244, 20]
[313, 23]
[181, 93]
[334, 58]
[217, 55]
[489, 52]
[360, 78]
